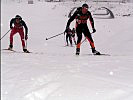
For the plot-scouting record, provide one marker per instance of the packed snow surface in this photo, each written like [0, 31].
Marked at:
[52, 71]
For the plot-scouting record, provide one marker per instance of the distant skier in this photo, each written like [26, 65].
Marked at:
[18, 28]
[68, 32]
[73, 35]
[82, 15]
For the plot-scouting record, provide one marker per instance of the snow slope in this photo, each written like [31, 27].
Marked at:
[52, 71]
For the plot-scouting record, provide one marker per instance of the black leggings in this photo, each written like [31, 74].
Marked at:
[83, 28]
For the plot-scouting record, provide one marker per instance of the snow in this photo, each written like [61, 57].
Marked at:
[54, 72]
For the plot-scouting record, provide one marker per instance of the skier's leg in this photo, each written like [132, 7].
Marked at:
[21, 33]
[67, 39]
[74, 40]
[79, 37]
[91, 41]
[70, 39]
[13, 32]
[89, 38]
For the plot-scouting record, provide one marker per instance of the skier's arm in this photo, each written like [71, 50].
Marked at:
[11, 22]
[26, 28]
[71, 19]
[91, 21]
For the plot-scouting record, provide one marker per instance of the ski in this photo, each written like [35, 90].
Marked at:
[100, 54]
[17, 51]
[9, 50]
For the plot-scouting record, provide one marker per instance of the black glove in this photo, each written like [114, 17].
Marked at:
[94, 30]
[26, 37]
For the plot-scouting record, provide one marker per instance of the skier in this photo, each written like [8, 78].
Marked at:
[82, 15]
[18, 28]
[73, 35]
[68, 32]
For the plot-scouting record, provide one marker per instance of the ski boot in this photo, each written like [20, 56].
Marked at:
[95, 52]
[10, 47]
[77, 51]
[26, 51]
[67, 44]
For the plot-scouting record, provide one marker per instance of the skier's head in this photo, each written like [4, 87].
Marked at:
[85, 5]
[84, 8]
[18, 18]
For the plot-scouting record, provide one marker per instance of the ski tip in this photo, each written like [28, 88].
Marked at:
[46, 39]
[102, 54]
[9, 50]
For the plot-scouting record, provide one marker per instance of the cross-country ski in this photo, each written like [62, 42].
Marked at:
[16, 51]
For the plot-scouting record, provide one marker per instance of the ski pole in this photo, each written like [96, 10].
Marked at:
[64, 39]
[26, 43]
[5, 34]
[83, 41]
[54, 36]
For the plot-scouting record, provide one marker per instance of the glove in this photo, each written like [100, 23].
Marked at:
[26, 37]
[94, 30]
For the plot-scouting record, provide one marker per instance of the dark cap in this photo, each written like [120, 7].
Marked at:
[85, 5]
[18, 17]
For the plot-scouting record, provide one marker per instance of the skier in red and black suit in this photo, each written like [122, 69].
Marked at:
[18, 28]
[82, 15]
[68, 32]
